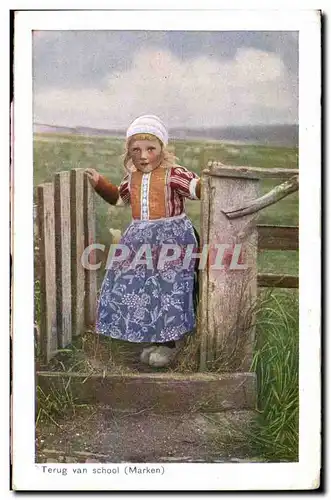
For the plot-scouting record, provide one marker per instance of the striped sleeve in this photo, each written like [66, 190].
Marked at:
[124, 190]
[186, 183]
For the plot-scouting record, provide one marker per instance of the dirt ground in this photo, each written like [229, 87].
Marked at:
[104, 436]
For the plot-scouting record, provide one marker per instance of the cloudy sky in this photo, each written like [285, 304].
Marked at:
[105, 79]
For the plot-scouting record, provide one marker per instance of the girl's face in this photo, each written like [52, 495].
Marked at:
[145, 154]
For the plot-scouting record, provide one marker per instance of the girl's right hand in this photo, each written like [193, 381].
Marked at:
[93, 176]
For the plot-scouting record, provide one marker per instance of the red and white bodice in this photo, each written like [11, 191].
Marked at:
[154, 195]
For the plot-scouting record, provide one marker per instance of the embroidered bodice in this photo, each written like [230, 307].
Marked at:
[157, 194]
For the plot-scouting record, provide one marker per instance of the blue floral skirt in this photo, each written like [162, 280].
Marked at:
[146, 302]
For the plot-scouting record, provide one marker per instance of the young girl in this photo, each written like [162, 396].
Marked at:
[143, 301]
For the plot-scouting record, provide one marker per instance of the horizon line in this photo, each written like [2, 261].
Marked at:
[175, 127]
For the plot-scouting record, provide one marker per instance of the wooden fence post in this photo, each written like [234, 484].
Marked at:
[77, 248]
[46, 230]
[228, 295]
[90, 275]
[63, 257]
[203, 295]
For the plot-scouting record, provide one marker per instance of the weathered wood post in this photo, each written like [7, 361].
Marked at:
[77, 249]
[63, 256]
[46, 237]
[228, 293]
[90, 235]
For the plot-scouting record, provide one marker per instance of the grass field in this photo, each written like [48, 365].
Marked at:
[276, 354]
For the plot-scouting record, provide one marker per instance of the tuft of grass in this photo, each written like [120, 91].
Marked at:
[188, 359]
[276, 363]
[91, 353]
[57, 404]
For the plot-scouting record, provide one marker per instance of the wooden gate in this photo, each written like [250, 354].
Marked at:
[66, 226]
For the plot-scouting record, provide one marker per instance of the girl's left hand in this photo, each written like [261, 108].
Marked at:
[93, 176]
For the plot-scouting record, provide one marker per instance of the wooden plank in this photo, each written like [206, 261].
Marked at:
[276, 194]
[219, 170]
[77, 249]
[63, 257]
[277, 281]
[278, 237]
[159, 392]
[232, 293]
[46, 231]
[90, 275]
[202, 323]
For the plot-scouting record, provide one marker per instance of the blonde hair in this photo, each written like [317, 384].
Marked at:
[168, 158]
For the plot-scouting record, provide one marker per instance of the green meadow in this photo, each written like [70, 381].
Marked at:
[276, 353]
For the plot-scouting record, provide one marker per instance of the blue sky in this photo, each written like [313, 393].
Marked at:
[106, 78]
